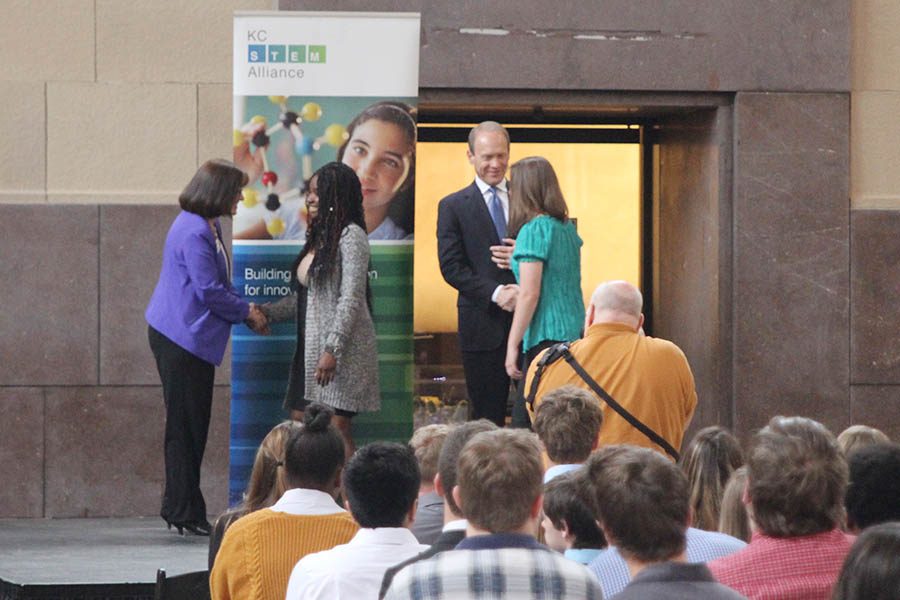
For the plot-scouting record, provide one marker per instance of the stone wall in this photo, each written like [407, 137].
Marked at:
[109, 105]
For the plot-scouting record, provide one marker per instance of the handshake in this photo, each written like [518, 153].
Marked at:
[257, 320]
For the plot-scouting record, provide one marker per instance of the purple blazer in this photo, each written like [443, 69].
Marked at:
[194, 303]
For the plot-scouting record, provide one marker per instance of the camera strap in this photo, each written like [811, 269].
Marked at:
[553, 354]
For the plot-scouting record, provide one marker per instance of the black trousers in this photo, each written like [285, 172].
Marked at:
[487, 384]
[187, 383]
[519, 412]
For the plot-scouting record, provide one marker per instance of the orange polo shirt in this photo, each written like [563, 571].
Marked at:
[648, 376]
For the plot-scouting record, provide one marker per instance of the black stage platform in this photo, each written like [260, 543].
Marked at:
[92, 558]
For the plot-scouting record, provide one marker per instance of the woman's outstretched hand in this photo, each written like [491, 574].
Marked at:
[325, 368]
[257, 320]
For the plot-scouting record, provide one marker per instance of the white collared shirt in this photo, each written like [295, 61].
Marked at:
[557, 470]
[302, 501]
[352, 571]
[457, 525]
[502, 193]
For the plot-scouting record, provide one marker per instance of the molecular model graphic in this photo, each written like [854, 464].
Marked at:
[258, 133]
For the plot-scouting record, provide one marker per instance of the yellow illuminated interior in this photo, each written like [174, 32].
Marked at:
[601, 184]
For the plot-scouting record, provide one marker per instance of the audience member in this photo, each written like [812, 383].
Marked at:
[569, 524]
[796, 476]
[872, 568]
[708, 462]
[499, 491]
[455, 524]
[381, 483]
[260, 549]
[610, 566]
[733, 518]
[858, 436]
[567, 422]
[643, 503]
[649, 377]
[426, 442]
[266, 485]
[873, 494]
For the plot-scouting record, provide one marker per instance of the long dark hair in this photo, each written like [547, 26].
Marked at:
[402, 207]
[340, 205]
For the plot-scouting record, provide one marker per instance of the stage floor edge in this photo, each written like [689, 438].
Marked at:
[109, 557]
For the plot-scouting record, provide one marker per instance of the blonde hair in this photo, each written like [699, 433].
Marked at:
[859, 436]
[733, 517]
[534, 190]
[427, 442]
[713, 454]
[267, 482]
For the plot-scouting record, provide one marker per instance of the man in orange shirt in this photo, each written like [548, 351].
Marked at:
[648, 377]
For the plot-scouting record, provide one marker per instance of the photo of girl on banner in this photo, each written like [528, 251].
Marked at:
[379, 144]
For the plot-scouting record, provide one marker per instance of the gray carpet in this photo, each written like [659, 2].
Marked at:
[54, 551]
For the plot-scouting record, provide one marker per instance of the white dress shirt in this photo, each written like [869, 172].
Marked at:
[352, 571]
[302, 501]
[502, 193]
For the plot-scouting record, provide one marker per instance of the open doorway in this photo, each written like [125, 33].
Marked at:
[600, 169]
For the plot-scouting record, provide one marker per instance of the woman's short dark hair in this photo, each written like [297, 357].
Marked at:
[213, 189]
[870, 570]
[314, 451]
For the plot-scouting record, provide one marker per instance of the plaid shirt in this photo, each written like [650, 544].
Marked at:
[497, 574]
[797, 568]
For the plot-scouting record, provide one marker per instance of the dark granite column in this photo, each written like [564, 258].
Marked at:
[791, 258]
[875, 320]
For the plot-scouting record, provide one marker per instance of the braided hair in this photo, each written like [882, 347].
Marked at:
[340, 204]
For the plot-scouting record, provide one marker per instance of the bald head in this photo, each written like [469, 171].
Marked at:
[616, 302]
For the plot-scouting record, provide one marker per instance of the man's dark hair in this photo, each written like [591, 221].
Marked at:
[213, 190]
[642, 501]
[381, 482]
[796, 478]
[447, 462]
[314, 451]
[873, 495]
[568, 503]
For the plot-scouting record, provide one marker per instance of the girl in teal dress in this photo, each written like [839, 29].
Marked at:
[547, 265]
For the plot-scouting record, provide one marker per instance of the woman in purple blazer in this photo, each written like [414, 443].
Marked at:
[190, 316]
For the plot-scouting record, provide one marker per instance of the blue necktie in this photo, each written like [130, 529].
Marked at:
[497, 216]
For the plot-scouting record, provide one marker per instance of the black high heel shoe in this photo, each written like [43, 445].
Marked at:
[196, 527]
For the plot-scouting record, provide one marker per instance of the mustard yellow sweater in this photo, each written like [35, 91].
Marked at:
[259, 551]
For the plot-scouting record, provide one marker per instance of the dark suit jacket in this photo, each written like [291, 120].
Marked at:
[465, 234]
[446, 541]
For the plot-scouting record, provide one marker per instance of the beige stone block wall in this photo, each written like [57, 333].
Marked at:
[23, 154]
[214, 121]
[120, 142]
[167, 40]
[875, 105]
[46, 40]
[113, 101]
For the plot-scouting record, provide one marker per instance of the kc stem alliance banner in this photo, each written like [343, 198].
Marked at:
[311, 88]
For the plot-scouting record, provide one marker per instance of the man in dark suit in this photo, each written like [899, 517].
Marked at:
[454, 530]
[474, 254]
